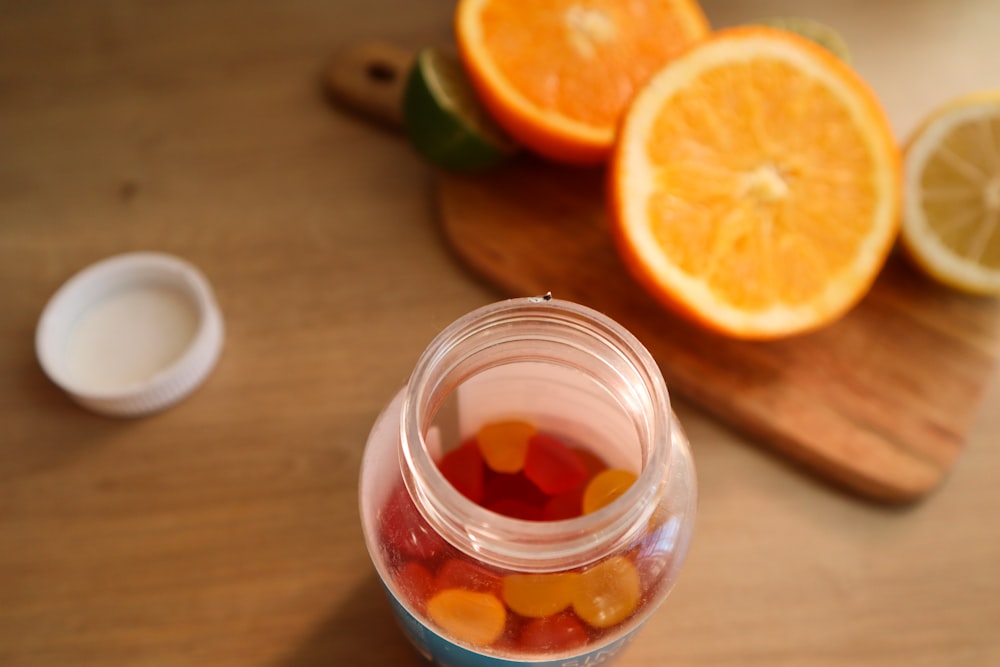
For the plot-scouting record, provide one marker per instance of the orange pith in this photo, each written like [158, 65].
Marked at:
[755, 186]
[558, 74]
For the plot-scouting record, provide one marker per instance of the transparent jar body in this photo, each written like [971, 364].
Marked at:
[579, 376]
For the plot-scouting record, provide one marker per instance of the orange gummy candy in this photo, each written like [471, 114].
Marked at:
[605, 487]
[468, 616]
[607, 593]
[504, 444]
[538, 595]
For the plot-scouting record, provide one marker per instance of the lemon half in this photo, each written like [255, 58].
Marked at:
[951, 205]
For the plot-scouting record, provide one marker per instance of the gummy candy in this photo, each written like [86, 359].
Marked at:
[560, 632]
[512, 469]
[591, 461]
[607, 593]
[416, 583]
[537, 595]
[469, 616]
[605, 488]
[517, 509]
[504, 444]
[460, 573]
[403, 527]
[566, 505]
[552, 466]
[515, 496]
[463, 468]
[501, 486]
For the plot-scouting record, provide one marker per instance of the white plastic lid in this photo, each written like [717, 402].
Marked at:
[131, 334]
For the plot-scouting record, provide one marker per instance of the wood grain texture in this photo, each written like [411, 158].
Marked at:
[881, 402]
[225, 531]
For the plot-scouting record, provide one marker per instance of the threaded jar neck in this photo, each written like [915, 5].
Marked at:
[571, 369]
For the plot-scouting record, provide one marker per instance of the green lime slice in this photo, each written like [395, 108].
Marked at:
[820, 33]
[444, 118]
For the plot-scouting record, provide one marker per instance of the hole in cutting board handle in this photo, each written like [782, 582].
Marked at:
[369, 78]
[381, 72]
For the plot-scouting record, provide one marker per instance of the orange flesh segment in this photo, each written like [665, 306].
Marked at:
[586, 61]
[760, 213]
[469, 616]
[608, 593]
[504, 444]
[605, 488]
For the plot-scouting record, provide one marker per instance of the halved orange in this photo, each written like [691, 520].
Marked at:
[558, 74]
[755, 185]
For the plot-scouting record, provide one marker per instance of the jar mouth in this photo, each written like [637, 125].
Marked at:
[563, 335]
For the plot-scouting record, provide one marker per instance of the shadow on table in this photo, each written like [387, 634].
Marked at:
[360, 632]
[50, 431]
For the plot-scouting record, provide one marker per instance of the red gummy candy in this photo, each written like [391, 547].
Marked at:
[513, 486]
[404, 531]
[463, 467]
[591, 461]
[416, 583]
[459, 573]
[552, 466]
[559, 632]
[516, 509]
[568, 505]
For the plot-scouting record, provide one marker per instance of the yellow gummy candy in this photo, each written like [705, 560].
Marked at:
[539, 595]
[607, 593]
[605, 487]
[469, 616]
[505, 444]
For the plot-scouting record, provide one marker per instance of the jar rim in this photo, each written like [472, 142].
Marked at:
[516, 543]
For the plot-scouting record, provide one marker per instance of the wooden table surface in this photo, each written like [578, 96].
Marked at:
[224, 531]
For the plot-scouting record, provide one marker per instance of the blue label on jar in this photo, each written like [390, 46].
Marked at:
[443, 653]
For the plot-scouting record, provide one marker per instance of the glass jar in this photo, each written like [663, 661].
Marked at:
[541, 592]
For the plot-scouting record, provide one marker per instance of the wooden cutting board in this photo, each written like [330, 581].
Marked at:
[879, 403]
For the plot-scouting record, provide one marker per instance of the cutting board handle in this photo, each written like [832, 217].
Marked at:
[369, 77]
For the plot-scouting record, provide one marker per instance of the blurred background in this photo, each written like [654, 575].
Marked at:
[224, 531]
